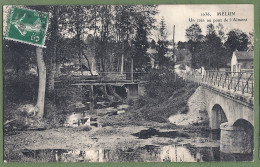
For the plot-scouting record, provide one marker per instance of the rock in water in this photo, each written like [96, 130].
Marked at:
[76, 119]
[120, 111]
[123, 106]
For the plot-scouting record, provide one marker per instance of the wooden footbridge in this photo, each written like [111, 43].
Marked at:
[131, 81]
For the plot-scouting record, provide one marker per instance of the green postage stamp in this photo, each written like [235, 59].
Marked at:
[27, 26]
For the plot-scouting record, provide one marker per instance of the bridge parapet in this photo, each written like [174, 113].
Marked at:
[239, 82]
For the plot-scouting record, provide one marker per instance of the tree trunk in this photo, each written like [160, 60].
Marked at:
[132, 69]
[122, 61]
[103, 89]
[54, 35]
[57, 74]
[91, 108]
[86, 57]
[42, 82]
[51, 75]
[113, 92]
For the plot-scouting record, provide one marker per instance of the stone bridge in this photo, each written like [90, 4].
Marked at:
[229, 101]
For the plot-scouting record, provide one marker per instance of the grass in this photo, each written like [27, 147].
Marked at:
[177, 103]
[151, 113]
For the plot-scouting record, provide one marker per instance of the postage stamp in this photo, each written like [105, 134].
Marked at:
[27, 26]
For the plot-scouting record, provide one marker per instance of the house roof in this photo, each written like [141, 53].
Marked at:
[244, 55]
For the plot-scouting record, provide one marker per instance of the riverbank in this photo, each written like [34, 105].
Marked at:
[133, 129]
[196, 115]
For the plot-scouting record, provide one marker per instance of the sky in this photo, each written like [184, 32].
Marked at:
[179, 15]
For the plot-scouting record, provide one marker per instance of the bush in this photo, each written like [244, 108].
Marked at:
[162, 84]
[65, 95]
[165, 95]
[52, 116]
[20, 87]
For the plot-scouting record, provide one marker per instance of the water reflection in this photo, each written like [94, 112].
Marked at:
[148, 153]
[148, 133]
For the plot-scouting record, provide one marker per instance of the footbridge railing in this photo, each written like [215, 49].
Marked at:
[237, 81]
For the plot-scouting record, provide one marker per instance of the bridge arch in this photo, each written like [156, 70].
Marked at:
[218, 116]
[234, 115]
[247, 134]
[243, 124]
[237, 137]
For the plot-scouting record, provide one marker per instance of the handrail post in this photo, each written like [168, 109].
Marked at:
[243, 88]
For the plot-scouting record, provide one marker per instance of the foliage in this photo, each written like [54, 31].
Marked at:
[18, 56]
[182, 45]
[140, 45]
[105, 31]
[161, 52]
[237, 40]
[163, 30]
[193, 33]
[66, 95]
[162, 84]
[164, 96]
[211, 51]
[20, 87]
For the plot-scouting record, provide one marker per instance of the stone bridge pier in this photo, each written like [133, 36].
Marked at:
[233, 114]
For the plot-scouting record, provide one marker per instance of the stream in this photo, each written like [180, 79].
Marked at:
[185, 146]
[147, 153]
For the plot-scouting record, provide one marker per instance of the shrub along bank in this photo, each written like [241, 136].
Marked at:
[165, 95]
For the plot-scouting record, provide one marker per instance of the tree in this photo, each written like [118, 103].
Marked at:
[162, 45]
[42, 82]
[193, 33]
[163, 30]
[124, 29]
[220, 31]
[214, 55]
[208, 52]
[182, 45]
[52, 45]
[162, 49]
[237, 40]
[251, 41]
[132, 21]
[140, 46]
[210, 29]
[103, 21]
[194, 36]
[105, 31]
[39, 107]
[18, 56]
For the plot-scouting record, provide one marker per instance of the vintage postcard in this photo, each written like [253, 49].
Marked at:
[128, 83]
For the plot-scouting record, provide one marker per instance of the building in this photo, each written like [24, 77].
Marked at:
[242, 61]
